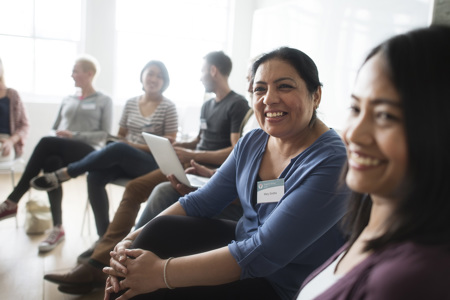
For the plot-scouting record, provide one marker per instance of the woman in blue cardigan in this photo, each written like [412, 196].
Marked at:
[285, 176]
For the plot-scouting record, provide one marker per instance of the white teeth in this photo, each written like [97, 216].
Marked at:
[364, 161]
[274, 114]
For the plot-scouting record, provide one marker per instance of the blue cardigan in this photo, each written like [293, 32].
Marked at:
[285, 241]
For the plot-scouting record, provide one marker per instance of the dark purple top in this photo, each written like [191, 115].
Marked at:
[401, 271]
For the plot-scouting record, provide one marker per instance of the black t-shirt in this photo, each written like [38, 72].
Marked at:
[219, 119]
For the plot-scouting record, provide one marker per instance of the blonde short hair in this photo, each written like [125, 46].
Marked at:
[88, 63]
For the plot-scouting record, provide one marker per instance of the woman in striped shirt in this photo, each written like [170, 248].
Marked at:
[129, 156]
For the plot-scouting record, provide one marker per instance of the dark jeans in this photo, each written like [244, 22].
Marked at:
[114, 161]
[136, 192]
[174, 236]
[50, 154]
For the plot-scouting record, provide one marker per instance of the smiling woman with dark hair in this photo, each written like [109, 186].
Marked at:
[284, 175]
[398, 144]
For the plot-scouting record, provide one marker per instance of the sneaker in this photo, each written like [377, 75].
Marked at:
[7, 212]
[46, 182]
[55, 237]
[86, 255]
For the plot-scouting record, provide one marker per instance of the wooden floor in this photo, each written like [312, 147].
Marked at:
[21, 266]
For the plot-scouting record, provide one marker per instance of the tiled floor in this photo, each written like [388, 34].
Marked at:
[22, 267]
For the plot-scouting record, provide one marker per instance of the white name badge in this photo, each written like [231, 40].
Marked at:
[88, 106]
[203, 124]
[270, 190]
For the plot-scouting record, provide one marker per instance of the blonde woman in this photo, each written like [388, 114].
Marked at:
[81, 126]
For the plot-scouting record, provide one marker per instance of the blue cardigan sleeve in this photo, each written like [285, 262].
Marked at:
[310, 207]
[217, 194]
[270, 236]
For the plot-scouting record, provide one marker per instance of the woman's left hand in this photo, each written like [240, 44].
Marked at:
[182, 189]
[144, 274]
[64, 133]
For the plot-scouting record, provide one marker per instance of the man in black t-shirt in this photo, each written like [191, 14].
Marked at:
[220, 118]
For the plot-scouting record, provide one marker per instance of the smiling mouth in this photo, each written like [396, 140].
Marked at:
[364, 161]
[275, 114]
[152, 85]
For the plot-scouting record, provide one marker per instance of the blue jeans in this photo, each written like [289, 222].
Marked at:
[164, 195]
[114, 161]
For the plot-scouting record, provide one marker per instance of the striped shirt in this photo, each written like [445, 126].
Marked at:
[163, 121]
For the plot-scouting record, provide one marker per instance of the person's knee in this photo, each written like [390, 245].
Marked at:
[138, 185]
[44, 144]
[158, 224]
[165, 189]
[152, 231]
[120, 147]
[163, 196]
[133, 185]
[158, 201]
[52, 163]
[45, 140]
[97, 178]
[139, 189]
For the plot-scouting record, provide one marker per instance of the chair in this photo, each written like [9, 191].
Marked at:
[86, 218]
[10, 167]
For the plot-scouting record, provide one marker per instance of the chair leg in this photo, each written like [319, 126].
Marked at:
[112, 209]
[13, 182]
[86, 218]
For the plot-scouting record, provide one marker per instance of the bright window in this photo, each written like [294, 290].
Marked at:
[178, 33]
[39, 40]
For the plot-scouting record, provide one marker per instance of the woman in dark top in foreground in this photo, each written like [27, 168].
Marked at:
[398, 147]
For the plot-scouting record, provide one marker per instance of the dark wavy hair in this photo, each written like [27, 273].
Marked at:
[164, 72]
[418, 65]
[301, 62]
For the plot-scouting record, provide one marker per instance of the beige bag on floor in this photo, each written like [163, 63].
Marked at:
[39, 217]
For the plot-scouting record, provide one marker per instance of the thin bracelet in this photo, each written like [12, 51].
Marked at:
[165, 274]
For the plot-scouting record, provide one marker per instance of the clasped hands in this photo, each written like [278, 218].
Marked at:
[135, 270]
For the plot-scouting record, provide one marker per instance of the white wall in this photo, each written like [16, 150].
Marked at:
[335, 33]
[100, 40]
[241, 43]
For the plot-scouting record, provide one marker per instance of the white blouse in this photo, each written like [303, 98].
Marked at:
[321, 282]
